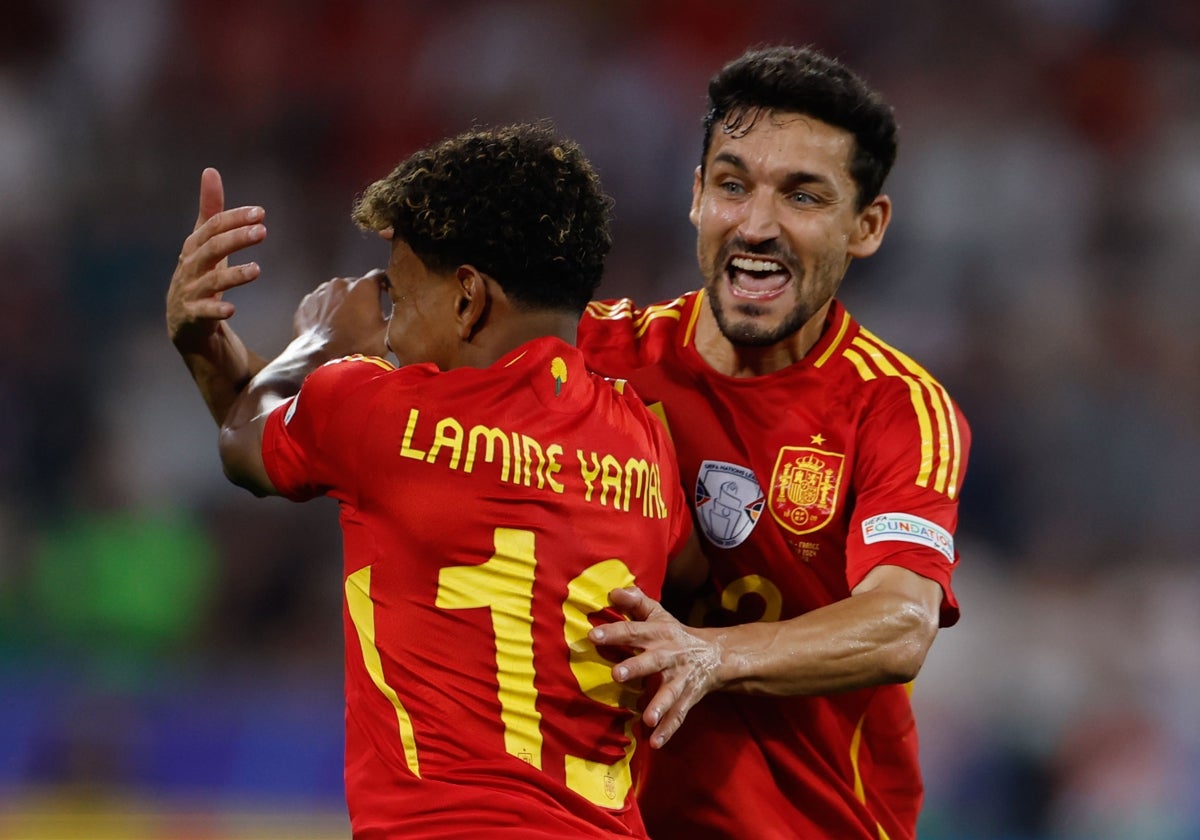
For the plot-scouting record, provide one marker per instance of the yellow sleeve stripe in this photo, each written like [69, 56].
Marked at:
[942, 398]
[375, 360]
[623, 309]
[940, 444]
[653, 313]
[600, 310]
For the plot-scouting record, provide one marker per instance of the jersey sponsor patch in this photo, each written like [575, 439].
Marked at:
[804, 488]
[729, 502]
[904, 527]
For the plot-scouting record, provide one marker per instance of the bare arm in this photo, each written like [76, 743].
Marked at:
[340, 317]
[197, 324]
[879, 635]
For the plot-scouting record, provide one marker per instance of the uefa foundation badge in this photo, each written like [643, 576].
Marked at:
[729, 502]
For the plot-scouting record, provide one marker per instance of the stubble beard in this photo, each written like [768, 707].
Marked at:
[742, 326]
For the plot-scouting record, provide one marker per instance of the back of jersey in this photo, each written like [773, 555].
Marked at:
[486, 516]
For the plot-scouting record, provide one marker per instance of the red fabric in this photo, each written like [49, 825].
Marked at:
[476, 574]
[802, 481]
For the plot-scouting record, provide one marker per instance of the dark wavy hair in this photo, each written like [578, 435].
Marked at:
[518, 203]
[802, 80]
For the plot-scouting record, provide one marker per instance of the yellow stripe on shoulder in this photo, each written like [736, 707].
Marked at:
[603, 311]
[362, 357]
[941, 449]
[671, 309]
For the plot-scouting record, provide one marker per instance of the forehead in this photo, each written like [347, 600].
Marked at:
[783, 140]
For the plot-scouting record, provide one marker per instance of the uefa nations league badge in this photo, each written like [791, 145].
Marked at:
[728, 502]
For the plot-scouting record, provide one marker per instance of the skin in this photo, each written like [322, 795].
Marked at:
[780, 193]
[454, 318]
[196, 311]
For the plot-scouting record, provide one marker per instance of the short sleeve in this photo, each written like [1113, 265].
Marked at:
[910, 466]
[305, 449]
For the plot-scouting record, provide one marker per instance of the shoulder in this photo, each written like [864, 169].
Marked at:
[623, 317]
[334, 381]
[617, 336]
[884, 373]
[904, 410]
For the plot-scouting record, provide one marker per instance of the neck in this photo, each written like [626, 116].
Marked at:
[745, 361]
[501, 336]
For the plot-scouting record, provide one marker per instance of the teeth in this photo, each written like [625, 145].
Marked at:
[746, 264]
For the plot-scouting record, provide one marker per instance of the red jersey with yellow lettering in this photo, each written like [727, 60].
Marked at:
[802, 481]
[486, 514]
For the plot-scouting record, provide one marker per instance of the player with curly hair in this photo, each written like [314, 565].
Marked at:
[491, 489]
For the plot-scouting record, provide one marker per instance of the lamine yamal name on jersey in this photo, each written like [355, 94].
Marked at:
[631, 484]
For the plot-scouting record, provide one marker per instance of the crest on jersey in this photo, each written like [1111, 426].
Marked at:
[729, 502]
[804, 487]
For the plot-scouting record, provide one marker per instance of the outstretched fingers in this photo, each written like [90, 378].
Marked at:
[202, 273]
[687, 659]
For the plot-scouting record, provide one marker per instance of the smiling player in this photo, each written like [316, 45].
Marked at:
[824, 466]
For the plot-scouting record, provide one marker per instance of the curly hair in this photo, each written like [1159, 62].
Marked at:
[518, 203]
[802, 80]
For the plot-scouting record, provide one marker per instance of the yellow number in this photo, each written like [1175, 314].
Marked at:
[504, 584]
[758, 585]
[602, 784]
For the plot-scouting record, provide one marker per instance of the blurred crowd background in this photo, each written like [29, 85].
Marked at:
[170, 652]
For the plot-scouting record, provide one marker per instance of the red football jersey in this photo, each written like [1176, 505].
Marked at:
[802, 482]
[486, 514]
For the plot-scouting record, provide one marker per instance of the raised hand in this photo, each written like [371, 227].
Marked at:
[195, 308]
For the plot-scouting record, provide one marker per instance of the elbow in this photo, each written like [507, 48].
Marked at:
[232, 447]
[903, 658]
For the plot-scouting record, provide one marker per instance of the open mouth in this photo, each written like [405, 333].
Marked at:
[755, 278]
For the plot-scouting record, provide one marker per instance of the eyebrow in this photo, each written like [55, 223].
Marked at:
[793, 179]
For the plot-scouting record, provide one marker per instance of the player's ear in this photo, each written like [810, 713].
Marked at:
[870, 226]
[470, 301]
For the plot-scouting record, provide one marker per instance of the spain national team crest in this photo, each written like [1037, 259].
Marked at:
[804, 488]
[729, 502]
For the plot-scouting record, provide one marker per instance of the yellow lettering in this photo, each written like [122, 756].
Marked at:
[532, 449]
[406, 447]
[449, 433]
[656, 492]
[589, 475]
[516, 453]
[611, 480]
[552, 466]
[637, 482]
[493, 437]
